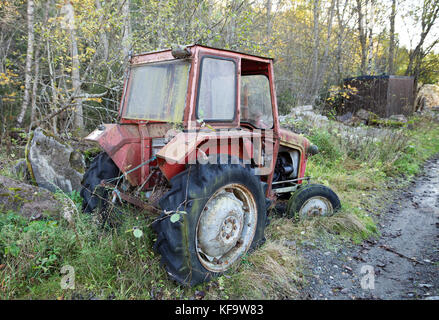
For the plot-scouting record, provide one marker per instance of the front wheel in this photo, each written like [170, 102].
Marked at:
[222, 215]
[313, 200]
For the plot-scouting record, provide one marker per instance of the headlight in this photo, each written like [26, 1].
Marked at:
[312, 150]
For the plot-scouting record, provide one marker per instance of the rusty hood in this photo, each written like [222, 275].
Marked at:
[293, 140]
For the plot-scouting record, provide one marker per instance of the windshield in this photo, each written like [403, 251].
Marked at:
[158, 91]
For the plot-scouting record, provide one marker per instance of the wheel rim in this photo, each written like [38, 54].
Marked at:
[316, 206]
[226, 227]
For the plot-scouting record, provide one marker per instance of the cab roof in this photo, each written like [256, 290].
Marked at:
[166, 54]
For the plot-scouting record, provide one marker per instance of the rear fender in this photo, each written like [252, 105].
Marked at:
[124, 142]
[202, 147]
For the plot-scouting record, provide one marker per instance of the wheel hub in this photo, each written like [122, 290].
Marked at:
[230, 229]
[226, 227]
[316, 206]
[220, 224]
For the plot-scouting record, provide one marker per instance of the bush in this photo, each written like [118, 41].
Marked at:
[329, 149]
[286, 100]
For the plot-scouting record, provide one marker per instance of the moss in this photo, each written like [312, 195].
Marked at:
[76, 162]
[26, 156]
[387, 123]
[91, 153]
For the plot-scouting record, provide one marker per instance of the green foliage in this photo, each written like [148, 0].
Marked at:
[75, 196]
[108, 263]
[286, 100]
[358, 169]
[333, 99]
[329, 150]
[90, 153]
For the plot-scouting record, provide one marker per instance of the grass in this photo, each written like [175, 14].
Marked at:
[107, 263]
[115, 264]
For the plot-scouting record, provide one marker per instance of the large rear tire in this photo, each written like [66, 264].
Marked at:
[222, 215]
[101, 168]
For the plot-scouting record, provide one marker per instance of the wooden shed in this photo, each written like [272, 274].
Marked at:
[384, 95]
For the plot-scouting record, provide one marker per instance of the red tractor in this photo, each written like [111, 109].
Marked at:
[199, 127]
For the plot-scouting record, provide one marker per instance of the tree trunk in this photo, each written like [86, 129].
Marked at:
[340, 34]
[371, 26]
[126, 46]
[29, 56]
[103, 34]
[315, 56]
[325, 59]
[37, 67]
[35, 85]
[76, 77]
[392, 39]
[269, 6]
[362, 36]
[54, 103]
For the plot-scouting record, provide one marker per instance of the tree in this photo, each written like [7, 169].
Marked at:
[362, 34]
[29, 57]
[391, 68]
[428, 16]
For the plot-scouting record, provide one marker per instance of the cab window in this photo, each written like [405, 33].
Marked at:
[256, 101]
[217, 90]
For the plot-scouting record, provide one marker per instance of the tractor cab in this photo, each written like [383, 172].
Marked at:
[195, 84]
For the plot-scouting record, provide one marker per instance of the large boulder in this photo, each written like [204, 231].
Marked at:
[428, 97]
[304, 117]
[30, 201]
[398, 118]
[54, 164]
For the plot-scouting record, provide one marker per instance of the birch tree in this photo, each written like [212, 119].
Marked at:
[390, 69]
[69, 24]
[29, 57]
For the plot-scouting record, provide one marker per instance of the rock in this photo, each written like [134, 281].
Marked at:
[352, 134]
[55, 164]
[398, 117]
[20, 169]
[303, 108]
[363, 114]
[432, 298]
[345, 117]
[30, 201]
[428, 96]
[355, 121]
